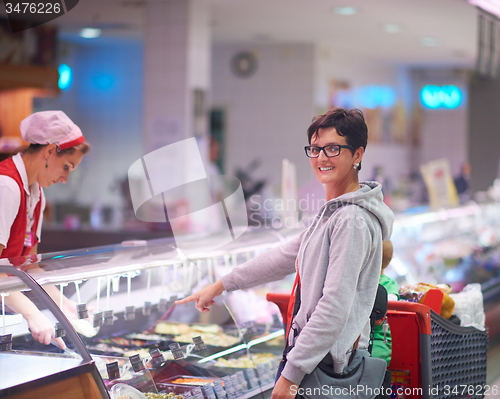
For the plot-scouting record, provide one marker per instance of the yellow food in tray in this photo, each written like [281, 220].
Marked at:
[278, 341]
[211, 334]
[245, 361]
[182, 328]
[170, 395]
[122, 341]
[210, 339]
[143, 352]
[172, 328]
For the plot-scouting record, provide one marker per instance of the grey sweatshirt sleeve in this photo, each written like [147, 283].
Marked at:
[343, 309]
[272, 265]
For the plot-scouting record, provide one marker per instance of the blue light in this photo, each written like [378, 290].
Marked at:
[65, 77]
[372, 96]
[451, 96]
[103, 81]
[441, 96]
[430, 96]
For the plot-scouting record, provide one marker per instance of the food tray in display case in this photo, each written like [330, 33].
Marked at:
[189, 380]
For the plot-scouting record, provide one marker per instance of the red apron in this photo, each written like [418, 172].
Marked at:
[17, 245]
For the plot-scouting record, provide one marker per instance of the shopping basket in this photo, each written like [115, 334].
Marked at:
[431, 357]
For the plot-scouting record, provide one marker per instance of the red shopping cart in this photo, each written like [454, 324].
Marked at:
[431, 357]
[434, 358]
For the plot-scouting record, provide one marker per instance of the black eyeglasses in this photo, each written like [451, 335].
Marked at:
[330, 151]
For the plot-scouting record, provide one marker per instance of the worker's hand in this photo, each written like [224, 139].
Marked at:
[204, 297]
[284, 389]
[42, 329]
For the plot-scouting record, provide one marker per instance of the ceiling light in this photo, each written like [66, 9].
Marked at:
[345, 10]
[429, 41]
[491, 6]
[392, 28]
[90, 33]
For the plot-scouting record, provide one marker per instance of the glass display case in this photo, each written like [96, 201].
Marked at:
[455, 246]
[29, 369]
[130, 340]
[128, 329]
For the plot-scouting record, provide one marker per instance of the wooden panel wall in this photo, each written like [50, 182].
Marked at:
[79, 387]
[15, 105]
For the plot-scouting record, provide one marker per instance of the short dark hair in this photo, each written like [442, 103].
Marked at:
[348, 123]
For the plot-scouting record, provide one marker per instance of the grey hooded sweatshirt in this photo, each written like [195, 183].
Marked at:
[339, 260]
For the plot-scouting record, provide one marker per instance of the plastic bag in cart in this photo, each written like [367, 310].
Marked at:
[469, 306]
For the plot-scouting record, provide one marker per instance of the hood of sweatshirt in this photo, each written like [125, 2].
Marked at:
[370, 197]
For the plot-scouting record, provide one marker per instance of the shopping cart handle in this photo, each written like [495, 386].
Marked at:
[434, 299]
[423, 313]
[281, 300]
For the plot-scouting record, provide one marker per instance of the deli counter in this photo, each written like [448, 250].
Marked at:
[129, 337]
[130, 340]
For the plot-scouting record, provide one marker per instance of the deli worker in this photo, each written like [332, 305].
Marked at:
[56, 148]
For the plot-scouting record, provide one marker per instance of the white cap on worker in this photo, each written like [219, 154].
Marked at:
[51, 127]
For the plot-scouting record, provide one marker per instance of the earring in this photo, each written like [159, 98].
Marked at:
[46, 163]
[356, 165]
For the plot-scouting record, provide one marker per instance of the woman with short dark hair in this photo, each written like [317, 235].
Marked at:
[337, 259]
